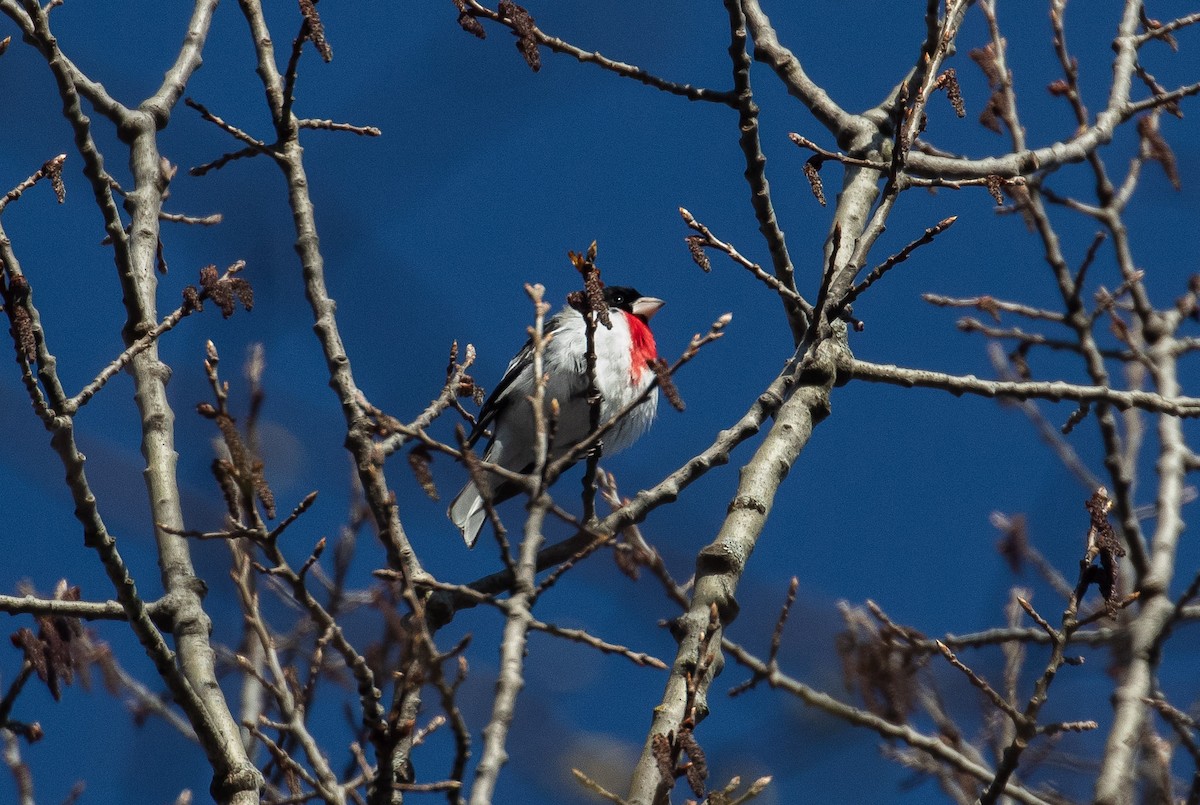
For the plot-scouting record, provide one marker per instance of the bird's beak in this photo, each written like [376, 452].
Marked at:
[646, 306]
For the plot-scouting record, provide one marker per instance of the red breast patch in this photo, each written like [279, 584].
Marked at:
[643, 350]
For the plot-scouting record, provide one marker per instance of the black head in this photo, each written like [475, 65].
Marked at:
[621, 297]
[631, 301]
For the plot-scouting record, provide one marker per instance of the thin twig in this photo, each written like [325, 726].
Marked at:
[709, 239]
[1055, 390]
[228, 128]
[620, 68]
[891, 262]
[330, 125]
[51, 168]
[991, 305]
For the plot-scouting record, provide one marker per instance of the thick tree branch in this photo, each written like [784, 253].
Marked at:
[719, 566]
[1138, 683]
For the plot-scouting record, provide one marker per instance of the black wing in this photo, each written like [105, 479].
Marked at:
[500, 399]
[497, 401]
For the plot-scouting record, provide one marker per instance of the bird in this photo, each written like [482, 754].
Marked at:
[623, 372]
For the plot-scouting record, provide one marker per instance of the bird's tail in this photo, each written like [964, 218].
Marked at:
[467, 512]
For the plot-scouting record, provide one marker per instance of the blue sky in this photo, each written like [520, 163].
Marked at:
[485, 176]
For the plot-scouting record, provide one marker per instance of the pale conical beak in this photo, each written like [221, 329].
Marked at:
[647, 306]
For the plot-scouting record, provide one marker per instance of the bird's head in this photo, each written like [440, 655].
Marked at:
[631, 301]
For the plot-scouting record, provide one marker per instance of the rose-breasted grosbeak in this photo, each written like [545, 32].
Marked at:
[622, 373]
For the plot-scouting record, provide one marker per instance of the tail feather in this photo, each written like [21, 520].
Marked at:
[467, 512]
